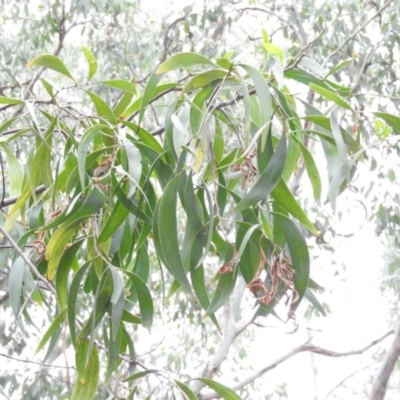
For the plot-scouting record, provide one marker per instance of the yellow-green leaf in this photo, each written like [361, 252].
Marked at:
[51, 62]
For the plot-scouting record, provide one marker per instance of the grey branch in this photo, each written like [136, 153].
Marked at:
[38, 275]
[382, 379]
[300, 349]
[354, 34]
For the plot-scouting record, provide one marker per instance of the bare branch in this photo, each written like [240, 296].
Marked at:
[34, 362]
[13, 200]
[301, 349]
[382, 379]
[354, 34]
[27, 260]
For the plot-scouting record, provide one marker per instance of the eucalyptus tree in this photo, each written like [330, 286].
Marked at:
[164, 161]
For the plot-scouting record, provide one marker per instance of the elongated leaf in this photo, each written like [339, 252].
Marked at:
[330, 95]
[83, 148]
[310, 296]
[102, 108]
[72, 298]
[187, 392]
[226, 283]
[263, 94]
[148, 94]
[268, 179]
[86, 385]
[144, 297]
[223, 391]
[62, 273]
[165, 233]
[15, 172]
[182, 60]
[340, 66]
[273, 49]
[10, 100]
[15, 283]
[55, 325]
[390, 119]
[140, 374]
[202, 79]
[51, 62]
[91, 59]
[55, 248]
[284, 197]
[300, 258]
[121, 84]
[339, 141]
[312, 171]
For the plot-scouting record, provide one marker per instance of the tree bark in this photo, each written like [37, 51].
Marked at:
[380, 385]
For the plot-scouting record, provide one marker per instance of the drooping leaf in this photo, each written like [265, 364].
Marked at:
[86, 384]
[182, 60]
[91, 59]
[300, 258]
[223, 391]
[390, 119]
[268, 179]
[165, 233]
[51, 62]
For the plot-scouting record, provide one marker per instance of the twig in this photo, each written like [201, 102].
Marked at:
[27, 260]
[347, 378]
[297, 350]
[13, 200]
[35, 362]
[352, 36]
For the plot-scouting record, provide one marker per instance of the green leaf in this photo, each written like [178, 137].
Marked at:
[165, 233]
[15, 283]
[51, 62]
[310, 296]
[202, 79]
[62, 273]
[223, 391]
[91, 59]
[273, 49]
[86, 385]
[55, 248]
[55, 325]
[225, 286]
[268, 179]
[72, 299]
[49, 87]
[263, 93]
[140, 374]
[330, 95]
[102, 108]
[15, 173]
[83, 148]
[390, 119]
[10, 100]
[187, 392]
[341, 147]
[121, 84]
[182, 60]
[144, 297]
[340, 66]
[300, 258]
[284, 197]
[312, 170]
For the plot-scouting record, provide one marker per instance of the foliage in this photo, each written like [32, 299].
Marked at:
[184, 184]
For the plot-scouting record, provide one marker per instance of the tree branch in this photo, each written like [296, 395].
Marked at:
[13, 200]
[302, 348]
[382, 379]
[27, 260]
[354, 34]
